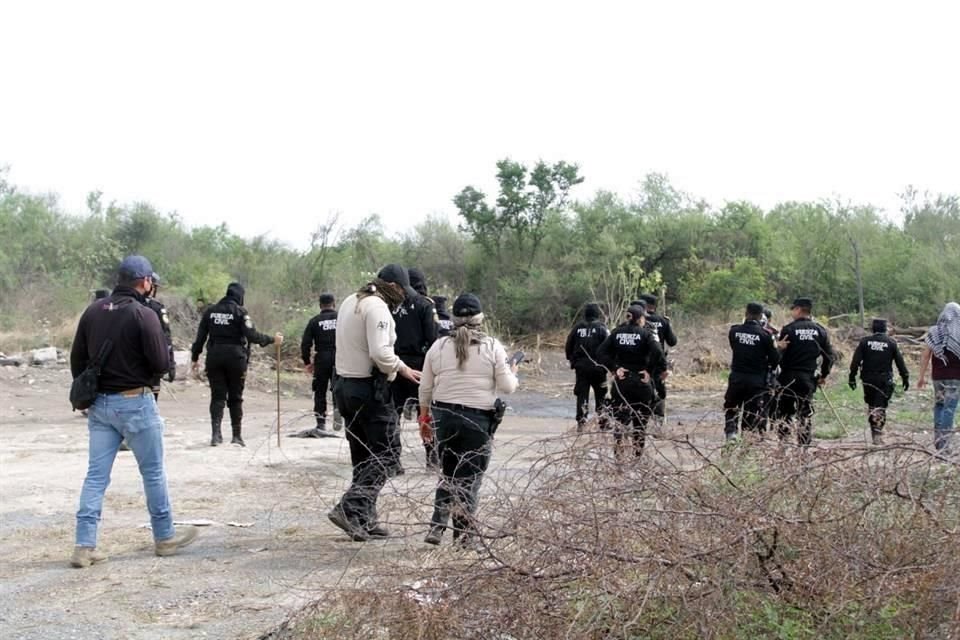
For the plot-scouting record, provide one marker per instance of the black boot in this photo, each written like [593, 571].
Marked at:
[216, 437]
[236, 436]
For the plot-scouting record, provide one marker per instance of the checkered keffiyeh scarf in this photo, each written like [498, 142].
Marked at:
[945, 335]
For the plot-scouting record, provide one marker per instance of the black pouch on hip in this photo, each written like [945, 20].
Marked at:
[499, 410]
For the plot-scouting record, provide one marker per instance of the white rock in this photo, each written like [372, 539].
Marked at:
[44, 356]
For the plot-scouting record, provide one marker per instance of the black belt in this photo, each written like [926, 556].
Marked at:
[459, 408]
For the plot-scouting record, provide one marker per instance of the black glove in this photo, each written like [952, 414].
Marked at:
[906, 384]
[172, 374]
[853, 384]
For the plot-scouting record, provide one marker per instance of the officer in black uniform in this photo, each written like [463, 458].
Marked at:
[874, 360]
[582, 345]
[802, 343]
[634, 356]
[151, 301]
[230, 330]
[320, 336]
[444, 319]
[663, 332]
[416, 321]
[754, 355]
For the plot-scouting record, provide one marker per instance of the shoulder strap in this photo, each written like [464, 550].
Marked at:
[102, 355]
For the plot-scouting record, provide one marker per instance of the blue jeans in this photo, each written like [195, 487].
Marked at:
[945, 393]
[113, 418]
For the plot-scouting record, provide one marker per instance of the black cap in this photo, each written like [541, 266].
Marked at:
[879, 325]
[327, 298]
[135, 268]
[636, 311]
[638, 303]
[418, 281]
[591, 311]
[398, 275]
[754, 309]
[99, 294]
[803, 303]
[467, 305]
[650, 299]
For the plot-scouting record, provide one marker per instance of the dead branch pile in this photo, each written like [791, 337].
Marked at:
[832, 543]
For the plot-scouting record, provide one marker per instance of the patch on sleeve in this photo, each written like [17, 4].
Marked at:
[248, 322]
[164, 317]
[383, 325]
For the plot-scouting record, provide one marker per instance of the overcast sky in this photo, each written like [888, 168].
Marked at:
[271, 115]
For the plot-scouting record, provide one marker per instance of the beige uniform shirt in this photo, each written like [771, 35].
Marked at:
[365, 336]
[484, 373]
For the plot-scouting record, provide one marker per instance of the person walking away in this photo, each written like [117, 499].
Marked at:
[366, 363]
[581, 348]
[444, 319]
[942, 350]
[633, 354]
[124, 407]
[416, 321]
[754, 355]
[663, 332]
[157, 307]
[462, 375]
[230, 331]
[320, 337]
[873, 359]
[802, 343]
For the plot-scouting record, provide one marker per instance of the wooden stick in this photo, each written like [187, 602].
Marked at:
[278, 397]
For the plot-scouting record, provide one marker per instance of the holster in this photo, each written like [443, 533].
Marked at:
[381, 388]
[499, 411]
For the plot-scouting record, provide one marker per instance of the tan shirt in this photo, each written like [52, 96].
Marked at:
[484, 373]
[365, 336]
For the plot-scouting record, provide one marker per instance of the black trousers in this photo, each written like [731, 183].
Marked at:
[587, 378]
[464, 444]
[403, 390]
[747, 397]
[370, 418]
[877, 391]
[227, 374]
[796, 402]
[659, 407]
[632, 405]
[322, 376]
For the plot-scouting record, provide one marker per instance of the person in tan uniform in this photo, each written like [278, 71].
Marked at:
[365, 365]
[462, 374]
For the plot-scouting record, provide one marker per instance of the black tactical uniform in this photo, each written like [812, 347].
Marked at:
[633, 348]
[663, 332]
[444, 319]
[808, 343]
[874, 360]
[581, 349]
[754, 355]
[320, 336]
[157, 307]
[230, 330]
[416, 321]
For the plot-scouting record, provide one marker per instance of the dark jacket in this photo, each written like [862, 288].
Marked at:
[139, 353]
[662, 330]
[320, 335]
[754, 351]
[416, 329]
[157, 307]
[584, 342]
[874, 359]
[633, 348]
[808, 342]
[444, 323]
[228, 323]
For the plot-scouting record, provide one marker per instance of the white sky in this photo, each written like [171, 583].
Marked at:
[270, 115]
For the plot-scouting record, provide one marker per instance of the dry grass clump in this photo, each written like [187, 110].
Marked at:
[830, 543]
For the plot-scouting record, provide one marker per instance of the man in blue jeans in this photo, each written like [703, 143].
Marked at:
[125, 407]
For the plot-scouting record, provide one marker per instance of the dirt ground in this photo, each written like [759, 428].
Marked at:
[235, 581]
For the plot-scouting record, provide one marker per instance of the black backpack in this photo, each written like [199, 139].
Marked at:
[83, 391]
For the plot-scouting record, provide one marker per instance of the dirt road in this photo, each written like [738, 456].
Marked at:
[234, 582]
